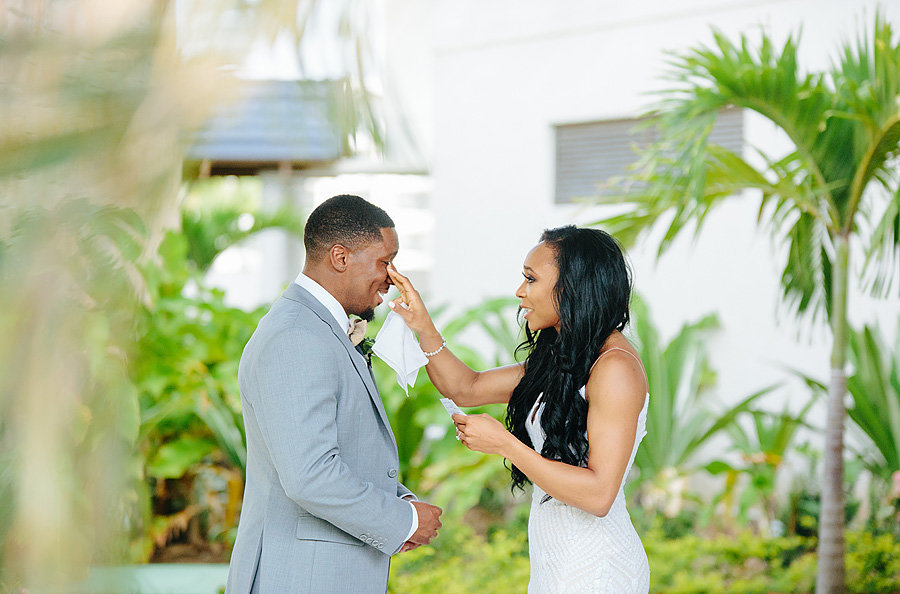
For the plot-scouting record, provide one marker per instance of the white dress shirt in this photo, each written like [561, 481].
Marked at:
[343, 320]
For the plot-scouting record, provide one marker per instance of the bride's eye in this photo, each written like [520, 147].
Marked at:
[530, 279]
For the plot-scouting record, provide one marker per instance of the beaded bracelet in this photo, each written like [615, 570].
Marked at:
[433, 353]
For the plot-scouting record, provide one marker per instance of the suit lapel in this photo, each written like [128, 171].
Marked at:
[295, 292]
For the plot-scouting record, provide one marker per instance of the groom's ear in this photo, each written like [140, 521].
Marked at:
[338, 256]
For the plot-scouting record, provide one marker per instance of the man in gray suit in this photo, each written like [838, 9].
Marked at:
[323, 509]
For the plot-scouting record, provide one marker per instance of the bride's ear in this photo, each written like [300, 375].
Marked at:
[338, 257]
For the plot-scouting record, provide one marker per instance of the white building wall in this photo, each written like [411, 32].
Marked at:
[504, 73]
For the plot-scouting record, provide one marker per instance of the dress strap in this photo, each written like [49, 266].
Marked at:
[618, 349]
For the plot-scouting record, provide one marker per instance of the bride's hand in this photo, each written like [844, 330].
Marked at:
[483, 433]
[415, 314]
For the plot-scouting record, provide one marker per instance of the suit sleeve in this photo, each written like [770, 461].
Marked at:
[296, 406]
[402, 491]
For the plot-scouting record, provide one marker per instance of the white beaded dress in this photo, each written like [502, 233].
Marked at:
[573, 551]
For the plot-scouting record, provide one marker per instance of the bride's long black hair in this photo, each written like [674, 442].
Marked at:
[592, 295]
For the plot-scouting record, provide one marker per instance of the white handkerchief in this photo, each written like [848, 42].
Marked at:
[451, 407]
[397, 346]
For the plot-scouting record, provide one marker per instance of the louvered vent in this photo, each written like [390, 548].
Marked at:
[589, 154]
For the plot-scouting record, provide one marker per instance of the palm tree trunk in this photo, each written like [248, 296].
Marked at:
[830, 575]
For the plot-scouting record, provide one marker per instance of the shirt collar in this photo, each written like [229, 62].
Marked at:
[325, 298]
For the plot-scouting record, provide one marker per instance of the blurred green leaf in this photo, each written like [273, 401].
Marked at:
[174, 458]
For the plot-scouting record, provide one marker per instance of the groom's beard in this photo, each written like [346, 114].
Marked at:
[368, 315]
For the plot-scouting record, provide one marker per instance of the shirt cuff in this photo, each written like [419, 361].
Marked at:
[415, 522]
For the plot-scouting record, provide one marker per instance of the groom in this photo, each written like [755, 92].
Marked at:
[323, 509]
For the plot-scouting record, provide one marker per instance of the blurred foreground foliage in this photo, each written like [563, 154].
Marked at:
[68, 412]
[99, 101]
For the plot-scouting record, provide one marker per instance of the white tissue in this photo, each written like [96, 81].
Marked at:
[397, 346]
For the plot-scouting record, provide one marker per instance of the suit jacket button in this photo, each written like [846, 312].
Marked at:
[392, 473]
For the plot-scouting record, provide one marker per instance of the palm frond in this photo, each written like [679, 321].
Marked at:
[844, 125]
[867, 86]
[875, 390]
[806, 278]
[679, 375]
[882, 253]
[684, 174]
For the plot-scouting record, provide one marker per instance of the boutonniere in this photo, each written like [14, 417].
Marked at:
[365, 348]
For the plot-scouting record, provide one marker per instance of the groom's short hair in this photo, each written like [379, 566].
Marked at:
[346, 220]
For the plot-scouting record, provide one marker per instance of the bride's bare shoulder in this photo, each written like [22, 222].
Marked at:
[618, 374]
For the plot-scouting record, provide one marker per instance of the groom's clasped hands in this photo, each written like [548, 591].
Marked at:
[429, 524]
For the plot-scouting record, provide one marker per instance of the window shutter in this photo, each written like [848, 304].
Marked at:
[589, 154]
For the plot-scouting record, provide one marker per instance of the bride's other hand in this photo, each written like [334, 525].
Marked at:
[483, 433]
[415, 314]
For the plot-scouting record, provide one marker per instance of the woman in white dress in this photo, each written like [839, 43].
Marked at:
[576, 411]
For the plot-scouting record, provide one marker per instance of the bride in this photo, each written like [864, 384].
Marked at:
[576, 410]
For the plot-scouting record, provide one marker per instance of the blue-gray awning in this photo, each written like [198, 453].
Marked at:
[273, 123]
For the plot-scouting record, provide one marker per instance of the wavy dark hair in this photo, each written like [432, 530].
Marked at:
[592, 296]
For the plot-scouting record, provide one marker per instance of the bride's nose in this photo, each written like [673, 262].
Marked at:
[520, 292]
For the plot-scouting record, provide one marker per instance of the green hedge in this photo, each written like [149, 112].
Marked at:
[462, 561]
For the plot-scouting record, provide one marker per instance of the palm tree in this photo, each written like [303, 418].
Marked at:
[834, 189]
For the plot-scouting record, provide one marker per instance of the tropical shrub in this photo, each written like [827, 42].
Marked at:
[679, 420]
[762, 451]
[218, 213]
[191, 438]
[748, 563]
[463, 561]
[875, 389]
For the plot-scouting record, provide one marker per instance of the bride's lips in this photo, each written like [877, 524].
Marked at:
[527, 310]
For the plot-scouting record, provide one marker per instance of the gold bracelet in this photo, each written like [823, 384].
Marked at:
[433, 353]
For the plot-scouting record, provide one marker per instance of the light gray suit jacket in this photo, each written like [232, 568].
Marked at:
[322, 509]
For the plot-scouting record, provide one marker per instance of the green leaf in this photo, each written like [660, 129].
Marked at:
[175, 458]
[718, 467]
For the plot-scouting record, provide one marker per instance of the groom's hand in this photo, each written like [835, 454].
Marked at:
[429, 523]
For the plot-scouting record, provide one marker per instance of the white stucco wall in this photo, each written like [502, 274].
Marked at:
[503, 73]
